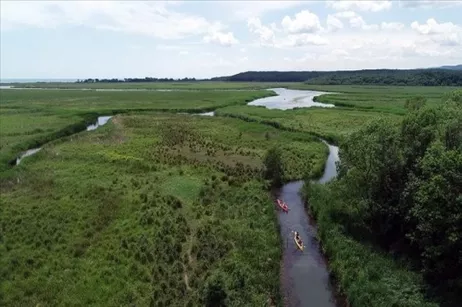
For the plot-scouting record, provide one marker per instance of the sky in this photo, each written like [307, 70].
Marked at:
[202, 39]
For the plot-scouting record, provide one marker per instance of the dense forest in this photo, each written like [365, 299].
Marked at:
[271, 76]
[425, 77]
[400, 189]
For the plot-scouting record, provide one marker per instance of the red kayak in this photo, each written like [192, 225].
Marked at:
[283, 205]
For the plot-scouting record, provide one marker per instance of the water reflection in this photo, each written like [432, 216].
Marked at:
[290, 99]
[102, 120]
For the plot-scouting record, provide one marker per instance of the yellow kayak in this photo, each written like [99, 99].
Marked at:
[299, 244]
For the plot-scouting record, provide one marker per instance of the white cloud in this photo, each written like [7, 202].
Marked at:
[392, 26]
[220, 38]
[294, 32]
[333, 23]
[146, 18]
[304, 22]
[209, 54]
[373, 6]
[346, 14]
[413, 49]
[304, 39]
[169, 47]
[356, 21]
[401, 46]
[251, 9]
[430, 4]
[340, 52]
[433, 27]
[308, 57]
[350, 37]
[266, 35]
[446, 34]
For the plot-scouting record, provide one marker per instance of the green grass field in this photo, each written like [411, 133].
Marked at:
[355, 106]
[200, 85]
[330, 123]
[148, 209]
[380, 98]
[157, 208]
[100, 101]
[29, 118]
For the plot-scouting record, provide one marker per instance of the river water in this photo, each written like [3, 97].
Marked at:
[290, 99]
[102, 120]
[305, 277]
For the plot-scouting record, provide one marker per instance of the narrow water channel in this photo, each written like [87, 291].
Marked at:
[101, 121]
[304, 276]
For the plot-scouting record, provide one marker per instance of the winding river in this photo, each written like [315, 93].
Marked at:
[304, 275]
[305, 278]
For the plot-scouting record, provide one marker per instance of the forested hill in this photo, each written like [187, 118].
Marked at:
[425, 77]
[453, 67]
[271, 76]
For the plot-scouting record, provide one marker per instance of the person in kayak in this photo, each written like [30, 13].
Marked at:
[297, 237]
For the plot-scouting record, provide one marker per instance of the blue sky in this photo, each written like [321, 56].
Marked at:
[70, 39]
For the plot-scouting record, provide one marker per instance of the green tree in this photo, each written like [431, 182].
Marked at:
[273, 168]
[405, 185]
[436, 195]
[374, 161]
[454, 97]
[415, 103]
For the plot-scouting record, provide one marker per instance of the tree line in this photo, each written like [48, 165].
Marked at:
[415, 77]
[411, 77]
[146, 79]
[401, 189]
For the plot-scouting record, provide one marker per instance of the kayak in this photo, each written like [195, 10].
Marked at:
[282, 205]
[299, 244]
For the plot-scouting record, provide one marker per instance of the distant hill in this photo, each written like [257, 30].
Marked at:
[271, 76]
[403, 77]
[452, 67]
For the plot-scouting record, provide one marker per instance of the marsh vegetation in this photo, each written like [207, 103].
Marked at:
[156, 206]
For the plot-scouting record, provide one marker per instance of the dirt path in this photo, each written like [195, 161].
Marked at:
[190, 263]
[186, 278]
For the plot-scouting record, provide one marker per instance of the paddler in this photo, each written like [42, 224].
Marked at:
[297, 237]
